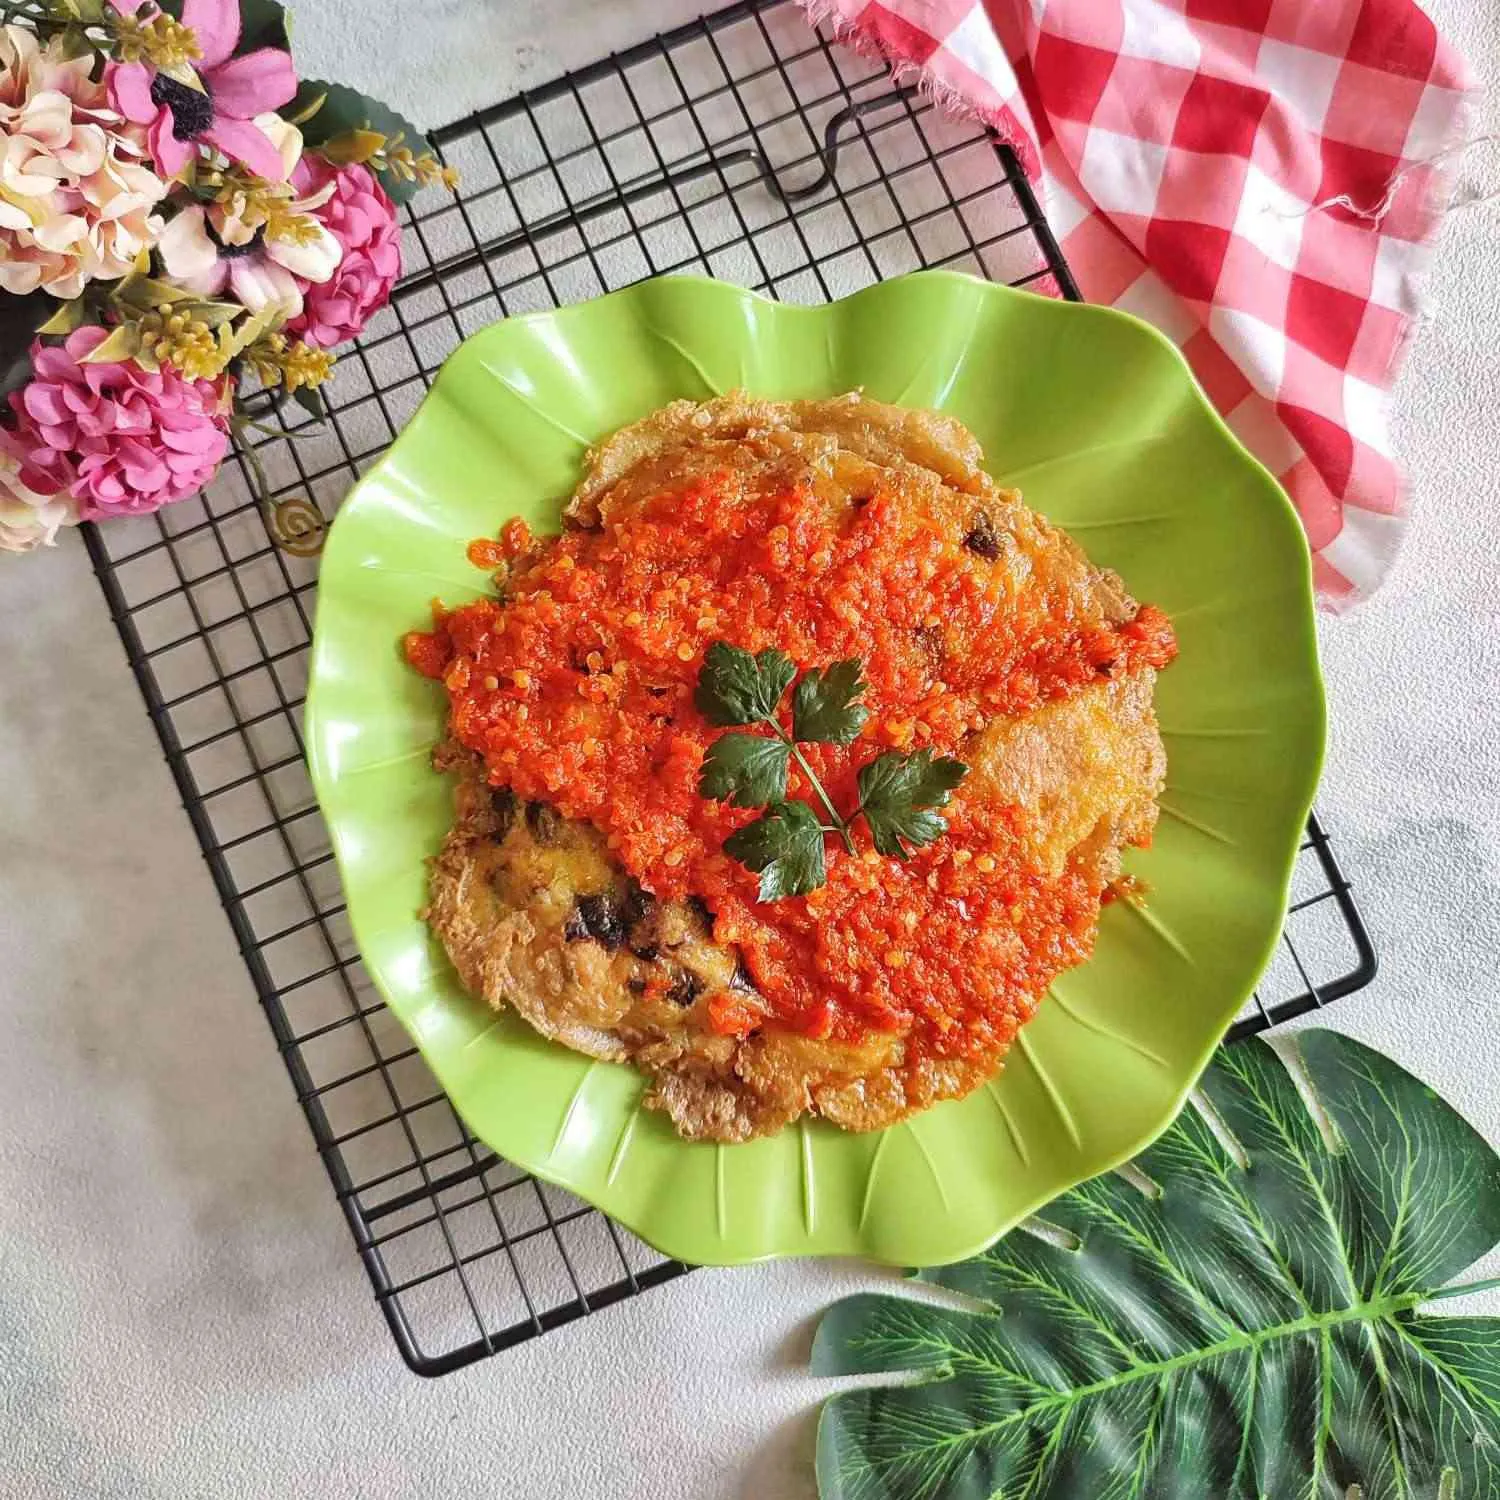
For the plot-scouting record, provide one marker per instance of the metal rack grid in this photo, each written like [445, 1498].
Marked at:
[744, 146]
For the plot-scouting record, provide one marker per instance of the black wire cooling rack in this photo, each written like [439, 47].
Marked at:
[744, 146]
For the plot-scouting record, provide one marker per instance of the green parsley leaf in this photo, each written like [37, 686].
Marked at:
[745, 770]
[784, 846]
[824, 707]
[735, 687]
[895, 791]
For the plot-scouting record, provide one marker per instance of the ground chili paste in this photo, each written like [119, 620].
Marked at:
[578, 690]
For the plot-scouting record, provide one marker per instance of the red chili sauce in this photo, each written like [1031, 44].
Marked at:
[578, 690]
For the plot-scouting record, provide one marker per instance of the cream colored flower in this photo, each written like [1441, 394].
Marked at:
[256, 269]
[285, 137]
[76, 186]
[26, 68]
[29, 520]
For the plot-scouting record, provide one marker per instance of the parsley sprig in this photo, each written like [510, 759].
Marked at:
[784, 846]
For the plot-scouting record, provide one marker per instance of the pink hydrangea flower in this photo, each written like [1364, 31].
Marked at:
[363, 220]
[119, 439]
[222, 114]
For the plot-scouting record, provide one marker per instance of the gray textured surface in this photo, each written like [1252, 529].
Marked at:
[181, 1312]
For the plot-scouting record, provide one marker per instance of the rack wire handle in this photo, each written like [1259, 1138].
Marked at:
[828, 155]
[646, 186]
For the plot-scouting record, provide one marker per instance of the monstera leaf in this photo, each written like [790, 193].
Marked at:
[1237, 1316]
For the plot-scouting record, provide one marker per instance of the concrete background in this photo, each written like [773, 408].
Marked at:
[181, 1310]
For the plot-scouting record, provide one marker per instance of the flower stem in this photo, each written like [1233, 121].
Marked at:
[292, 434]
[257, 469]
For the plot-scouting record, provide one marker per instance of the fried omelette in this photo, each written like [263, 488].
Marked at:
[590, 937]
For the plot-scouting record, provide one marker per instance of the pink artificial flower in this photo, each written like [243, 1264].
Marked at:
[120, 439]
[363, 220]
[222, 114]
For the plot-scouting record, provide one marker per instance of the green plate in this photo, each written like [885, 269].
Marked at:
[1097, 419]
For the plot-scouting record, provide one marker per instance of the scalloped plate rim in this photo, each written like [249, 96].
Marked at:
[323, 776]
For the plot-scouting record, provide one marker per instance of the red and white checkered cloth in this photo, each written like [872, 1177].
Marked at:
[1189, 150]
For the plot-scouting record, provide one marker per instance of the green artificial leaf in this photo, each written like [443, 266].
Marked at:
[21, 318]
[353, 146]
[311, 401]
[146, 292]
[1241, 1316]
[745, 770]
[344, 109]
[263, 23]
[69, 315]
[735, 687]
[784, 846]
[824, 706]
[86, 12]
[15, 372]
[235, 338]
[214, 314]
[895, 792]
[307, 107]
[121, 343]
